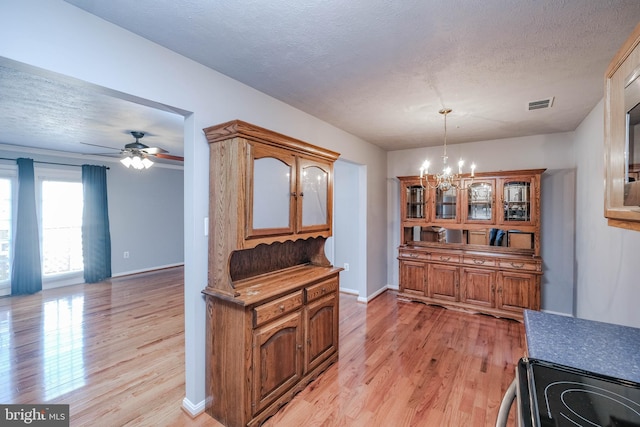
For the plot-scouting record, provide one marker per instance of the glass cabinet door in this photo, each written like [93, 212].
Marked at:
[479, 201]
[415, 199]
[314, 200]
[270, 206]
[446, 205]
[516, 201]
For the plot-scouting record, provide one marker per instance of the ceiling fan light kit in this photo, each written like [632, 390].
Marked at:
[137, 162]
[136, 154]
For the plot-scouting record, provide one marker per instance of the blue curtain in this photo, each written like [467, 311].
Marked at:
[96, 239]
[26, 273]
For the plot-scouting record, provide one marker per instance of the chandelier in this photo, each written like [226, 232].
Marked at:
[444, 180]
[136, 160]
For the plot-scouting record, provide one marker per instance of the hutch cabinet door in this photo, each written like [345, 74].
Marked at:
[446, 206]
[322, 330]
[443, 282]
[517, 291]
[314, 198]
[518, 199]
[478, 201]
[414, 197]
[277, 359]
[413, 277]
[478, 287]
[270, 188]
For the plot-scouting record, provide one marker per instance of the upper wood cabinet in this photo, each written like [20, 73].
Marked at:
[265, 188]
[499, 209]
[622, 139]
[283, 186]
[287, 193]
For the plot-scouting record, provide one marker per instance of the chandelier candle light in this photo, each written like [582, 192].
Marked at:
[445, 180]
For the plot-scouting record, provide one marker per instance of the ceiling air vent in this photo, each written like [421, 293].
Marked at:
[541, 104]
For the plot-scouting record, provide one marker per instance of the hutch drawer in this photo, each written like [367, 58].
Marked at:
[323, 288]
[271, 310]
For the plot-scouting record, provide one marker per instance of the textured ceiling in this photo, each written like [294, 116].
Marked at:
[381, 69]
[48, 111]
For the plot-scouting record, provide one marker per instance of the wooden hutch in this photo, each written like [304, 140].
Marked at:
[272, 295]
[466, 249]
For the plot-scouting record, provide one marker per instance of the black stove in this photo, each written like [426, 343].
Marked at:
[554, 395]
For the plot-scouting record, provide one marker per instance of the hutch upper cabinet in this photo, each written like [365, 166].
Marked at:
[475, 248]
[288, 193]
[272, 295]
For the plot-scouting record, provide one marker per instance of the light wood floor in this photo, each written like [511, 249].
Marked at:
[114, 351]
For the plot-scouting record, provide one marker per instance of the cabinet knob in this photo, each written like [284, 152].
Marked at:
[445, 258]
[517, 265]
[324, 290]
[281, 307]
[478, 261]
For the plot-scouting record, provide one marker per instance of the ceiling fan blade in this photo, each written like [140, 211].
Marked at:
[101, 146]
[169, 157]
[153, 150]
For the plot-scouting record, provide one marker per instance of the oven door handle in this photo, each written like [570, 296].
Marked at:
[505, 405]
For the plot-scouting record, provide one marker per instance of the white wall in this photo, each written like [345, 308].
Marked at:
[56, 36]
[607, 263]
[146, 217]
[553, 152]
[349, 226]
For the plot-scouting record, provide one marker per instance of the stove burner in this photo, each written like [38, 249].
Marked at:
[562, 396]
[581, 403]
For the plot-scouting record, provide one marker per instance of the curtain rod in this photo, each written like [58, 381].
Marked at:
[49, 163]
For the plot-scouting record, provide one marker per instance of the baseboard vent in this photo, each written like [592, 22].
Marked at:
[541, 104]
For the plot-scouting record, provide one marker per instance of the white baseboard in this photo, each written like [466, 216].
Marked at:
[193, 410]
[375, 294]
[146, 270]
[349, 291]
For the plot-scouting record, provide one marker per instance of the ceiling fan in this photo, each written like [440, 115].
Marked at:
[136, 154]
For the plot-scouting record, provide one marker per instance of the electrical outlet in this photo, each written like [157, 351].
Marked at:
[346, 266]
[126, 254]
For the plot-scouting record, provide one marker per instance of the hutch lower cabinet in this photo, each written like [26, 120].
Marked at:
[272, 294]
[479, 282]
[269, 342]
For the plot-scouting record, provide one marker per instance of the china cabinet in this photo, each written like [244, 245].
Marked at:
[484, 256]
[272, 295]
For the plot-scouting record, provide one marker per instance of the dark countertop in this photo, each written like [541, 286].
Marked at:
[603, 348]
